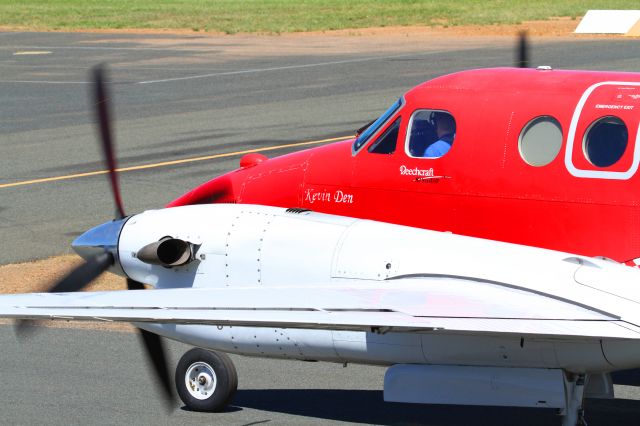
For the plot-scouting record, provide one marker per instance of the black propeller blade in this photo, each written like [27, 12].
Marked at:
[80, 277]
[155, 350]
[101, 100]
[523, 51]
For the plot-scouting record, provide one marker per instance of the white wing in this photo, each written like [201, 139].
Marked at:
[411, 304]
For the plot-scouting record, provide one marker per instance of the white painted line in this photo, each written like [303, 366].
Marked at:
[246, 71]
[44, 82]
[32, 52]
[158, 49]
[287, 67]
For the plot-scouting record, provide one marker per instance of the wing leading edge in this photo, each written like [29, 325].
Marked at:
[405, 305]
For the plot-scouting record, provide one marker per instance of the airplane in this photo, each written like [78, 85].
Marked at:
[554, 324]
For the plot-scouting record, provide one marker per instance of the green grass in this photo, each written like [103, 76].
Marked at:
[277, 16]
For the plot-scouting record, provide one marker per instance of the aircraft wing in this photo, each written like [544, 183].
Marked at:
[411, 305]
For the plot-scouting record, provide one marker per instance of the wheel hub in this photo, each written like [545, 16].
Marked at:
[200, 380]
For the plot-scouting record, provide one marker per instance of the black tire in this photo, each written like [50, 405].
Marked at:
[199, 363]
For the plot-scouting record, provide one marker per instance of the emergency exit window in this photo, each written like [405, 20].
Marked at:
[605, 141]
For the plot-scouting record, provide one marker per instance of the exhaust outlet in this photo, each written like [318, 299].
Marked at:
[167, 252]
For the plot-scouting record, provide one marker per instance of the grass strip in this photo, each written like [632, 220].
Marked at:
[280, 16]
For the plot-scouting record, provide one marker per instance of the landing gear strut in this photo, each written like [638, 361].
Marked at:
[573, 414]
[206, 380]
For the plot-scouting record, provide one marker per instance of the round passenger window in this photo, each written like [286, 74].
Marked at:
[540, 141]
[605, 141]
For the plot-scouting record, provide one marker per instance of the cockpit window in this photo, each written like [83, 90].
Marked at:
[376, 125]
[386, 142]
[431, 133]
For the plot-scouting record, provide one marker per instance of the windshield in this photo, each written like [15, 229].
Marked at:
[375, 126]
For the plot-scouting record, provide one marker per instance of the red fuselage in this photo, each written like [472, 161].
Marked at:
[545, 158]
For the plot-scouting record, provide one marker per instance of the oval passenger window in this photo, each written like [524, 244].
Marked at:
[605, 141]
[540, 141]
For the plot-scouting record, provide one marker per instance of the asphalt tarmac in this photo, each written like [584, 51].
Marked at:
[181, 97]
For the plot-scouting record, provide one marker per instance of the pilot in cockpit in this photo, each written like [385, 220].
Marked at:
[445, 127]
[432, 133]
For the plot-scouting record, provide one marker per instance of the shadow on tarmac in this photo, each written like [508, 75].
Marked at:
[368, 407]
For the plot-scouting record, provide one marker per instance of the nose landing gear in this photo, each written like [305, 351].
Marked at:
[206, 380]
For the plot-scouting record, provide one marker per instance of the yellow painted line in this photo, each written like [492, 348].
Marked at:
[170, 163]
[32, 52]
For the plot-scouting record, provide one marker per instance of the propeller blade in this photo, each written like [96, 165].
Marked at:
[155, 350]
[523, 51]
[80, 277]
[101, 101]
[74, 281]
[156, 353]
